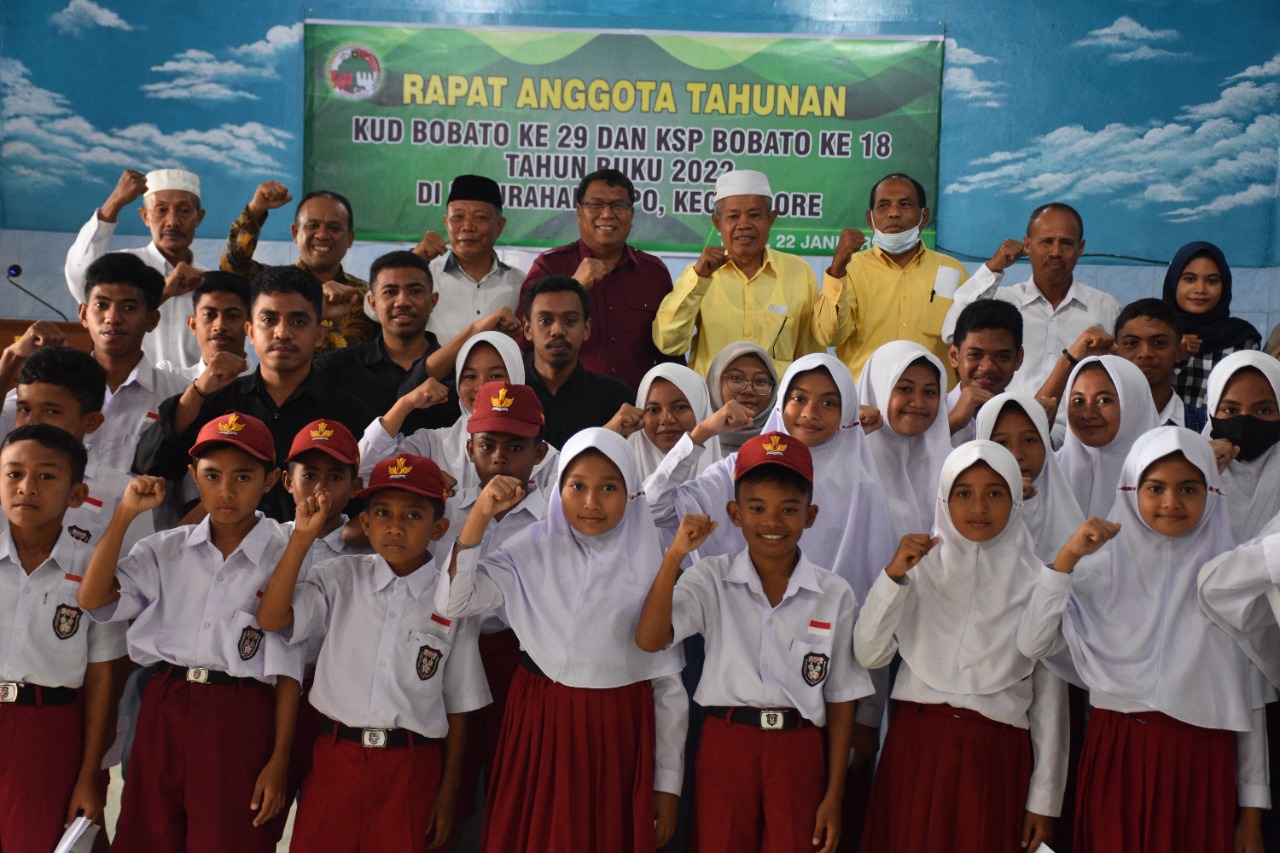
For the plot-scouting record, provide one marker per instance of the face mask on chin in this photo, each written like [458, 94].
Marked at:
[1251, 434]
[896, 244]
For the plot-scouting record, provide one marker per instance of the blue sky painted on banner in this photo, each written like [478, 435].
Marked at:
[1159, 120]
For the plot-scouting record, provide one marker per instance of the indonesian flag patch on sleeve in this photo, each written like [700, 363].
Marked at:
[820, 629]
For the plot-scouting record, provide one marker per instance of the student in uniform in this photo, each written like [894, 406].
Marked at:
[395, 678]
[672, 400]
[57, 714]
[779, 664]
[976, 755]
[985, 352]
[1148, 334]
[1175, 753]
[577, 765]
[1244, 423]
[209, 765]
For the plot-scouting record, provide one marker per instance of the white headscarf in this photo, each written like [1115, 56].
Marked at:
[909, 466]
[574, 600]
[1094, 472]
[1252, 489]
[967, 596]
[1053, 514]
[1134, 624]
[731, 441]
[694, 389]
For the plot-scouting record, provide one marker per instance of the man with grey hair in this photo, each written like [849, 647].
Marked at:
[745, 291]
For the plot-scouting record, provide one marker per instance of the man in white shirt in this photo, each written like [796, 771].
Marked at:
[171, 210]
[219, 318]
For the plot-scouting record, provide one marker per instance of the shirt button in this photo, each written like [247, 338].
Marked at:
[26, 590]
[219, 577]
[382, 664]
[770, 622]
[206, 624]
[392, 614]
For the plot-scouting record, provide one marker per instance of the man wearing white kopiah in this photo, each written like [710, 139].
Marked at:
[745, 291]
[171, 210]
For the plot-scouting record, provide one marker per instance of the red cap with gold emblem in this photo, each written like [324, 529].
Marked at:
[774, 448]
[236, 430]
[330, 438]
[504, 407]
[416, 474]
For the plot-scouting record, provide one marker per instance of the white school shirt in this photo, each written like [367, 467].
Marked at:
[463, 300]
[388, 659]
[87, 522]
[170, 340]
[796, 655]
[1240, 591]
[191, 607]
[324, 548]
[1174, 412]
[44, 637]
[966, 432]
[131, 409]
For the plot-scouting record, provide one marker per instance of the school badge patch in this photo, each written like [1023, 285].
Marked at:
[428, 662]
[250, 640]
[66, 621]
[79, 533]
[814, 669]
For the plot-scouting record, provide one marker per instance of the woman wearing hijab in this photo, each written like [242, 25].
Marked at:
[743, 371]
[1243, 391]
[674, 399]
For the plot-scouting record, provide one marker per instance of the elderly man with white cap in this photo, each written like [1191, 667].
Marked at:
[743, 292]
[171, 210]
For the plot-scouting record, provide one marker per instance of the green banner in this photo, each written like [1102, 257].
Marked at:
[394, 113]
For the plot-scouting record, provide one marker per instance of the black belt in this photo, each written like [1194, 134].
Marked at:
[527, 663]
[19, 693]
[374, 738]
[766, 719]
[203, 675]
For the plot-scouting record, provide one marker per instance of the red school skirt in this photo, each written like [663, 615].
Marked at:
[1151, 784]
[949, 780]
[573, 771]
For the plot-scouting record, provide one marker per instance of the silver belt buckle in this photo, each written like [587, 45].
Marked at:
[772, 721]
[373, 738]
[8, 691]
[197, 674]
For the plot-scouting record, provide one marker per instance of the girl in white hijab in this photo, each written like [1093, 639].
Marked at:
[1177, 726]
[674, 400]
[1019, 424]
[1242, 396]
[906, 383]
[1109, 406]
[751, 368]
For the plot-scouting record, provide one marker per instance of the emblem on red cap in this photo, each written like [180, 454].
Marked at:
[503, 401]
[774, 447]
[321, 432]
[398, 470]
[231, 426]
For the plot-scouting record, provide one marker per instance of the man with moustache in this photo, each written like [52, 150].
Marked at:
[743, 292]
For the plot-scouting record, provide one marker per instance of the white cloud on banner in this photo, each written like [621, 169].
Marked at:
[961, 81]
[82, 15]
[1270, 68]
[1131, 39]
[48, 145]
[201, 75]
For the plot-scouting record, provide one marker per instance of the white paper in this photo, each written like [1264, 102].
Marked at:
[945, 284]
[78, 838]
[1044, 848]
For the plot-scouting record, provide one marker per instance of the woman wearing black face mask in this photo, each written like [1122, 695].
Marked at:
[1243, 391]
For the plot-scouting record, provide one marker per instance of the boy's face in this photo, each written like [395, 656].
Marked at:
[46, 403]
[502, 453]
[1015, 432]
[117, 318]
[772, 516]
[231, 483]
[1153, 346]
[313, 472]
[284, 331]
[986, 359]
[1093, 408]
[812, 409]
[980, 503]
[593, 494]
[1172, 496]
[401, 527]
[914, 401]
[219, 324]
[35, 484]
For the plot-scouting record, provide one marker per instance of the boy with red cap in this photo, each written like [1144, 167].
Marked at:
[779, 661]
[212, 731]
[394, 678]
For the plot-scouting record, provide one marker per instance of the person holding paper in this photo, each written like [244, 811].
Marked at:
[896, 289]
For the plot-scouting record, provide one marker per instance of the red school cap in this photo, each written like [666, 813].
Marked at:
[416, 474]
[506, 407]
[774, 448]
[329, 438]
[237, 430]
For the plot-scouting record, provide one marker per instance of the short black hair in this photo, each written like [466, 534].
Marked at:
[289, 463]
[55, 439]
[288, 279]
[775, 473]
[124, 268]
[1154, 309]
[216, 281]
[71, 369]
[333, 196]
[989, 314]
[612, 178]
[899, 176]
[557, 284]
[1061, 207]
[399, 259]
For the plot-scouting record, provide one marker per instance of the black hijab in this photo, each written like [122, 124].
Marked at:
[1216, 328]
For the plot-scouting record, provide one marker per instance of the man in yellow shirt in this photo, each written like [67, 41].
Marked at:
[743, 292]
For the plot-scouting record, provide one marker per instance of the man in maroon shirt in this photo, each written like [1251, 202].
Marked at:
[625, 285]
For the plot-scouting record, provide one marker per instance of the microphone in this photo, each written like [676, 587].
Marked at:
[13, 272]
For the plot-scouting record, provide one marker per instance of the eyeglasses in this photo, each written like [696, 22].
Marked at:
[739, 382]
[619, 208]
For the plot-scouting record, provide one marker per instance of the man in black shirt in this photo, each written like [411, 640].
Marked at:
[284, 328]
[557, 321]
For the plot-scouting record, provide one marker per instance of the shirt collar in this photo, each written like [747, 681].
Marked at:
[452, 266]
[1031, 293]
[743, 571]
[420, 582]
[883, 257]
[62, 555]
[252, 545]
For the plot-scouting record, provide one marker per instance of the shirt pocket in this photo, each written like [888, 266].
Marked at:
[812, 658]
[426, 653]
[66, 619]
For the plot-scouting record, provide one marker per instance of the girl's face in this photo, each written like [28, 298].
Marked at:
[748, 381]
[812, 409]
[1015, 432]
[1093, 409]
[913, 403]
[483, 365]
[1248, 392]
[980, 503]
[1199, 286]
[593, 494]
[1172, 495]
[667, 414]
